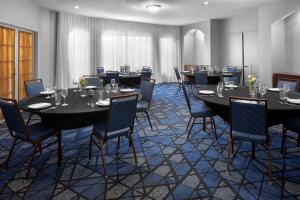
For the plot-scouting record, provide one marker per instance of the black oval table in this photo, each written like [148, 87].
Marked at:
[77, 114]
[133, 79]
[213, 78]
[277, 110]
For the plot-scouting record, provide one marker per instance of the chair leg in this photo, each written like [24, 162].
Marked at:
[298, 140]
[213, 127]
[270, 164]
[282, 149]
[253, 150]
[137, 120]
[35, 146]
[40, 147]
[118, 146]
[29, 118]
[10, 153]
[59, 150]
[178, 89]
[188, 123]
[149, 120]
[133, 148]
[191, 129]
[90, 146]
[103, 158]
[117, 157]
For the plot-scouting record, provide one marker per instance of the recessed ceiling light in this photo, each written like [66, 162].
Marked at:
[153, 8]
[205, 2]
[76, 7]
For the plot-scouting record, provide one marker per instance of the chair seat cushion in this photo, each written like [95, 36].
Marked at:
[99, 132]
[293, 124]
[142, 106]
[237, 135]
[38, 132]
[200, 110]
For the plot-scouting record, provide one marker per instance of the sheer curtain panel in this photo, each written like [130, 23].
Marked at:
[84, 43]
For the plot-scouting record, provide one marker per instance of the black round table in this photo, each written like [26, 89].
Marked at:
[133, 79]
[77, 114]
[277, 111]
[213, 78]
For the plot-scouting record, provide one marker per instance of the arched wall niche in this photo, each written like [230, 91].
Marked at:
[194, 47]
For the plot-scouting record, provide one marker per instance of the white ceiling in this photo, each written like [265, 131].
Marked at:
[173, 12]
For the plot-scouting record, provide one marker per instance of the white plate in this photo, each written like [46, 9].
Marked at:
[105, 102]
[127, 90]
[47, 92]
[274, 89]
[90, 87]
[39, 105]
[231, 86]
[206, 92]
[293, 101]
[185, 71]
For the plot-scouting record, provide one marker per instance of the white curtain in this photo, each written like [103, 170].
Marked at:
[85, 43]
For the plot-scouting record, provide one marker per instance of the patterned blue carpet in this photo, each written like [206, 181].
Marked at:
[170, 167]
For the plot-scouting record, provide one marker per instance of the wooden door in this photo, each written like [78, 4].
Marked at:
[26, 59]
[7, 63]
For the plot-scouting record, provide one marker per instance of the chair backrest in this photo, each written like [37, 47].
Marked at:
[112, 75]
[93, 81]
[231, 68]
[146, 69]
[187, 99]
[13, 118]
[33, 87]
[121, 113]
[100, 70]
[146, 89]
[146, 74]
[249, 116]
[177, 73]
[293, 84]
[201, 78]
[237, 77]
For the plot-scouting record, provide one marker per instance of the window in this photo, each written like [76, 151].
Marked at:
[120, 49]
[26, 44]
[168, 58]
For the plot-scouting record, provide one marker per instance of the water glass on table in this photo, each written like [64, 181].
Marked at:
[220, 88]
[226, 82]
[107, 89]
[262, 89]
[57, 96]
[75, 83]
[64, 94]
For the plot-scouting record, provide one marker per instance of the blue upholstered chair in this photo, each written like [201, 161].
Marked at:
[293, 84]
[237, 77]
[100, 70]
[291, 125]
[32, 88]
[93, 80]
[231, 68]
[146, 89]
[199, 110]
[180, 81]
[146, 69]
[248, 123]
[34, 134]
[201, 78]
[119, 123]
[112, 75]
[146, 74]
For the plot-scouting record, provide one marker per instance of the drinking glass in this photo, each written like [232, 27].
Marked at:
[107, 89]
[57, 96]
[262, 89]
[101, 95]
[220, 88]
[64, 94]
[226, 82]
[75, 83]
[286, 87]
[282, 94]
[112, 81]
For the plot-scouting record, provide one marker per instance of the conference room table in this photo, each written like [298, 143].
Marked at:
[213, 78]
[278, 111]
[79, 113]
[133, 79]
